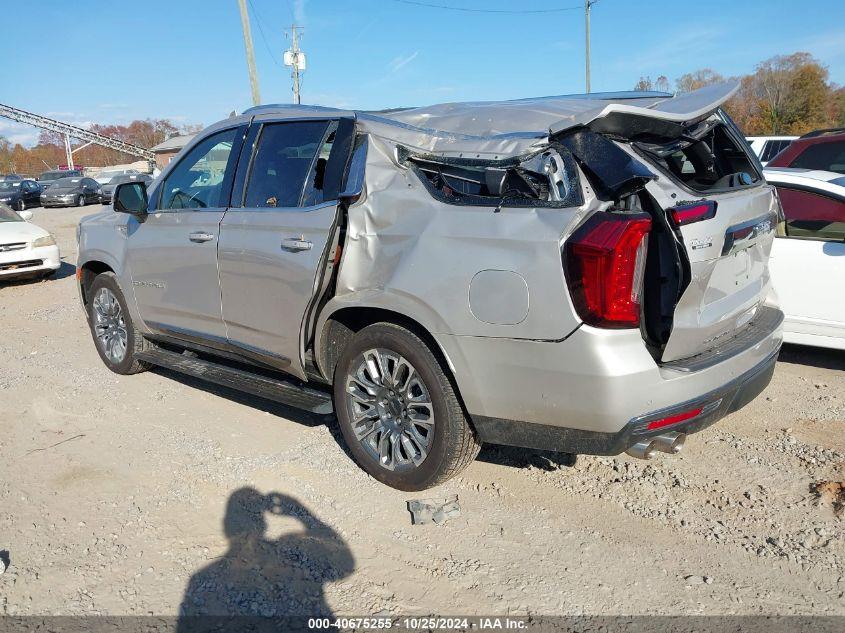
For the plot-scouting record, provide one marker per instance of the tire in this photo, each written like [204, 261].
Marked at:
[21, 206]
[449, 443]
[80, 201]
[125, 363]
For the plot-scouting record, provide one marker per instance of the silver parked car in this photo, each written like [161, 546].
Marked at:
[584, 274]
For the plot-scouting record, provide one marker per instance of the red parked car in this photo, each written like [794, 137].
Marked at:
[822, 149]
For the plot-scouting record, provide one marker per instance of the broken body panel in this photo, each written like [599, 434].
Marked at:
[437, 235]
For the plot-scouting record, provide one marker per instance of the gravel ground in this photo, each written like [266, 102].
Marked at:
[153, 493]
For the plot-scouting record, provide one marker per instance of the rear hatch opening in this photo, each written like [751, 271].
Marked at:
[713, 223]
[709, 157]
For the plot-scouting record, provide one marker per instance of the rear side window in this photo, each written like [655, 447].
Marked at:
[316, 178]
[283, 161]
[826, 156]
[812, 215]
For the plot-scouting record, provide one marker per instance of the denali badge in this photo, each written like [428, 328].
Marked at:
[701, 242]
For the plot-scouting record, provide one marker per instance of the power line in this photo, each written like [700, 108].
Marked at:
[432, 5]
[258, 20]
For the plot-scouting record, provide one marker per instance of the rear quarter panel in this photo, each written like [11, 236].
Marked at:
[405, 248]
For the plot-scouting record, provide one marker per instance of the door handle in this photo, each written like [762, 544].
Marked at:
[296, 244]
[201, 237]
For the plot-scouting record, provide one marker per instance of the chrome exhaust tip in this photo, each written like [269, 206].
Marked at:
[642, 450]
[671, 443]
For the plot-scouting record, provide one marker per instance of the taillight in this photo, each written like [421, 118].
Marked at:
[604, 265]
[693, 212]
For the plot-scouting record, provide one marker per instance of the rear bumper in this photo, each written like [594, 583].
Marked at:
[592, 391]
[715, 406]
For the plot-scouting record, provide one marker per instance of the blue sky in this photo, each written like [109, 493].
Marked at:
[111, 62]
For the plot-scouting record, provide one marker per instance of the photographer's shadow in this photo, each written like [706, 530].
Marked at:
[269, 578]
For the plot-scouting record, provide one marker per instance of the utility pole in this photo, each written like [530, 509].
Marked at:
[250, 55]
[295, 58]
[587, 5]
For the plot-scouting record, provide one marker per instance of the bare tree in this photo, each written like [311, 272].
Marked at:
[698, 79]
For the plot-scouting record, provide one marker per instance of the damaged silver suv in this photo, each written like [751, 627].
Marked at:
[584, 274]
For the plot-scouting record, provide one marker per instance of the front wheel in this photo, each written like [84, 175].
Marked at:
[116, 337]
[80, 201]
[21, 206]
[398, 410]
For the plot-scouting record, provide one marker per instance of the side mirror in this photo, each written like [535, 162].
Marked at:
[131, 197]
[26, 216]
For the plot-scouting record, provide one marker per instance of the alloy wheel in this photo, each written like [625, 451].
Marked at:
[110, 325]
[391, 409]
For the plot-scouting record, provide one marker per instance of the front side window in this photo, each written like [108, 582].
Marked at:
[812, 215]
[197, 181]
[283, 161]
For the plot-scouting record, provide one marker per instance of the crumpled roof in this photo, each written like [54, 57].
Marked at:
[527, 117]
[482, 128]
[491, 129]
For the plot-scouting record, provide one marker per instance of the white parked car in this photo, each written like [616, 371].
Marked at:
[25, 249]
[767, 147]
[107, 174]
[808, 258]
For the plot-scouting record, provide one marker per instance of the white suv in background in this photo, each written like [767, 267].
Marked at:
[767, 147]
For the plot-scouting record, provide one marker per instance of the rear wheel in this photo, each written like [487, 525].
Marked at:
[398, 410]
[115, 336]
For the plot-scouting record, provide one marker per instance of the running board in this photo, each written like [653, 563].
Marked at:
[286, 392]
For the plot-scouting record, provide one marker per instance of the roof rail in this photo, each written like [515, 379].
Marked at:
[824, 132]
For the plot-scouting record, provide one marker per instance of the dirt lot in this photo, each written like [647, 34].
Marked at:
[113, 493]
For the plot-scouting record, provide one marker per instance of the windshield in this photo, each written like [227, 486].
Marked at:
[119, 179]
[7, 215]
[108, 175]
[8, 185]
[67, 183]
